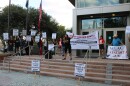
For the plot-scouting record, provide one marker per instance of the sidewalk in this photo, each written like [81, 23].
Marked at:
[23, 79]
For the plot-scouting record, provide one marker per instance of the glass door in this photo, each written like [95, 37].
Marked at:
[108, 38]
[121, 35]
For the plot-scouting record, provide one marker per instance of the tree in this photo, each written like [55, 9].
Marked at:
[18, 20]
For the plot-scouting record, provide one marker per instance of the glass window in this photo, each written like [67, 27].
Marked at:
[92, 24]
[112, 22]
[115, 22]
[89, 3]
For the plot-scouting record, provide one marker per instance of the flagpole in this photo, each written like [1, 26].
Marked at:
[9, 16]
[27, 17]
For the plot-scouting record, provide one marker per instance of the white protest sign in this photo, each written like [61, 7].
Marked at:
[117, 52]
[35, 65]
[85, 41]
[79, 69]
[6, 36]
[24, 32]
[15, 32]
[127, 29]
[69, 34]
[33, 32]
[28, 38]
[51, 47]
[37, 38]
[53, 35]
[44, 35]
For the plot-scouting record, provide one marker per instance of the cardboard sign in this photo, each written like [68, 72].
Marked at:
[53, 35]
[15, 32]
[44, 35]
[6, 36]
[117, 52]
[24, 32]
[79, 69]
[37, 38]
[33, 32]
[35, 65]
[28, 38]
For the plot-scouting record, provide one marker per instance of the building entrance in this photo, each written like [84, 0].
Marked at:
[108, 35]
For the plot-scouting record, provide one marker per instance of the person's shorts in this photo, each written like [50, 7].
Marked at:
[101, 46]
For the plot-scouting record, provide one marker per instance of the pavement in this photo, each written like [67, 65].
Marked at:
[22, 79]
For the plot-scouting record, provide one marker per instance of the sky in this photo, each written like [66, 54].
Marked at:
[60, 10]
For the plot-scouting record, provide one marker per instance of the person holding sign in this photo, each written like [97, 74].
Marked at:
[116, 41]
[67, 46]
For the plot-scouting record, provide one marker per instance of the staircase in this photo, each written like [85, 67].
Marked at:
[97, 70]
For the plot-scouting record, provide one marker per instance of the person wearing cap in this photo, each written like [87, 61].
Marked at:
[116, 41]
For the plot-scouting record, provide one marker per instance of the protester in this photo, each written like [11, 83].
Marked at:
[10, 44]
[67, 46]
[101, 45]
[63, 46]
[17, 45]
[116, 41]
[60, 45]
[31, 45]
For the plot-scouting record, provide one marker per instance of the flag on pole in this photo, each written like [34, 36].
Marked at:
[40, 15]
[27, 2]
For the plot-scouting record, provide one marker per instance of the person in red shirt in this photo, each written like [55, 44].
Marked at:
[101, 45]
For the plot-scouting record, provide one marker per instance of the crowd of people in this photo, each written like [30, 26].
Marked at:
[19, 44]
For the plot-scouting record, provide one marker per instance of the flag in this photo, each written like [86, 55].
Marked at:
[27, 3]
[40, 15]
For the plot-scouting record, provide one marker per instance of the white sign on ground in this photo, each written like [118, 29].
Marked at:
[117, 52]
[15, 32]
[35, 65]
[6, 36]
[79, 69]
[85, 41]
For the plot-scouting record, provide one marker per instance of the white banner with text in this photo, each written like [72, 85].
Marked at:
[117, 52]
[85, 41]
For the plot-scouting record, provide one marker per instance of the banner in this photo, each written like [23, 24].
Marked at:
[117, 52]
[79, 69]
[85, 41]
[6, 36]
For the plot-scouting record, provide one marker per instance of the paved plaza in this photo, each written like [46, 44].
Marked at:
[22, 79]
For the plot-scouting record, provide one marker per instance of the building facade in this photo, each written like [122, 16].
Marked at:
[108, 17]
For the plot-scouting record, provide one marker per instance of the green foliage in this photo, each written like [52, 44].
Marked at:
[18, 20]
